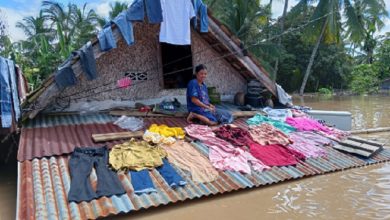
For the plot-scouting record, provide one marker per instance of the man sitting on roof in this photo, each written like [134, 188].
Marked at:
[198, 103]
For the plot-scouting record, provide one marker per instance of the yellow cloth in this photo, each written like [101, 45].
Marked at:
[166, 131]
[136, 155]
[156, 138]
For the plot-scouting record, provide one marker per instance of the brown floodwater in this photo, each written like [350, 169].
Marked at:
[362, 193]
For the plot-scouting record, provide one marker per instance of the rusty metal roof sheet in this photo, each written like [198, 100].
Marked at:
[43, 185]
[56, 135]
[43, 182]
[69, 132]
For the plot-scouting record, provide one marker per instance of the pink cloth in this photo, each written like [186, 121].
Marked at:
[124, 82]
[265, 134]
[307, 124]
[222, 154]
[309, 144]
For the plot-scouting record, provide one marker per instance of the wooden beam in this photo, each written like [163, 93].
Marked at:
[371, 130]
[116, 136]
[147, 114]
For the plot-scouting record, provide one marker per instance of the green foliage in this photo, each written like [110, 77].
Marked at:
[325, 91]
[365, 79]
[383, 58]
[51, 37]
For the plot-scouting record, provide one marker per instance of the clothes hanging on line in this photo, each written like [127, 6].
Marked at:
[201, 10]
[5, 94]
[136, 11]
[175, 27]
[106, 39]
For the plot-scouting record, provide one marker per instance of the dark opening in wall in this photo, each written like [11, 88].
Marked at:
[177, 65]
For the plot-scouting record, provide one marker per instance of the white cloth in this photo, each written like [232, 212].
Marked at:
[175, 28]
[283, 97]
[278, 114]
[130, 123]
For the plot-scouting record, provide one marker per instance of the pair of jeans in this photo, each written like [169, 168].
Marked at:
[80, 164]
[14, 86]
[5, 95]
[88, 62]
[142, 183]
[201, 10]
[125, 27]
[136, 11]
[65, 76]
[106, 39]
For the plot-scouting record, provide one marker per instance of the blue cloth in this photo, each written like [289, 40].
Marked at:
[14, 86]
[5, 95]
[136, 11]
[125, 27]
[201, 11]
[88, 62]
[206, 113]
[198, 91]
[106, 39]
[65, 76]
[141, 181]
[170, 175]
[154, 11]
[80, 166]
[223, 116]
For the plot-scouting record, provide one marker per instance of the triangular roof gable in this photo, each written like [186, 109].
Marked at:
[223, 41]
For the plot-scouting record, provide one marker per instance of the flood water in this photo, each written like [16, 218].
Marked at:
[362, 193]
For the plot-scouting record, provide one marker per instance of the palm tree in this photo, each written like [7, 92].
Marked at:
[282, 19]
[115, 9]
[326, 25]
[85, 22]
[371, 18]
[74, 26]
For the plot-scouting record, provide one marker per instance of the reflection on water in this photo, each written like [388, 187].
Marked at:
[362, 193]
[367, 111]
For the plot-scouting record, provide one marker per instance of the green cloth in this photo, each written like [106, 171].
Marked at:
[258, 119]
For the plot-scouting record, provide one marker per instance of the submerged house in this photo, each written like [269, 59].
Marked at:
[152, 66]
[56, 121]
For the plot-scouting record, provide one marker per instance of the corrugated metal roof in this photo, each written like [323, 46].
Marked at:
[46, 120]
[43, 185]
[50, 136]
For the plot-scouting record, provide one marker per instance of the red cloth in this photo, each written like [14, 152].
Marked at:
[236, 136]
[271, 155]
[275, 154]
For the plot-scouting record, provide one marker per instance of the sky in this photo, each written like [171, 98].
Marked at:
[15, 10]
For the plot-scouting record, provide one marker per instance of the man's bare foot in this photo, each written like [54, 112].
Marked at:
[190, 117]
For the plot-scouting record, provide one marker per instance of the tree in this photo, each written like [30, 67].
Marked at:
[371, 18]
[382, 57]
[326, 25]
[282, 20]
[332, 66]
[115, 9]
[3, 34]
